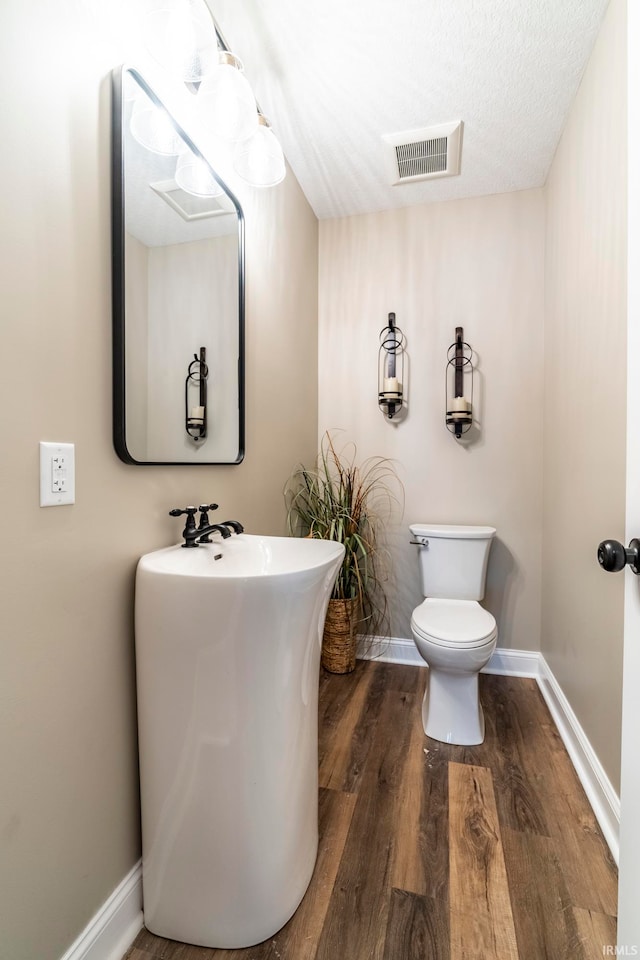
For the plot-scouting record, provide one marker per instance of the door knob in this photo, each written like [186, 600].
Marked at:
[613, 556]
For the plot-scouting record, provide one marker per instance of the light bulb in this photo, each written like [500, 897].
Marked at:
[194, 176]
[181, 36]
[260, 160]
[153, 128]
[225, 101]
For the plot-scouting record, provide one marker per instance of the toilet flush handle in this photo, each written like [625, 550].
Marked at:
[420, 542]
[613, 556]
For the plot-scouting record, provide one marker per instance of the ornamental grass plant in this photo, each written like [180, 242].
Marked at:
[339, 499]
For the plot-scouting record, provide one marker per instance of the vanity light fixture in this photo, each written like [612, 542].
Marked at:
[194, 176]
[153, 129]
[391, 369]
[184, 38]
[459, 410]
[260, 160]
[225, 101]
[181, 36]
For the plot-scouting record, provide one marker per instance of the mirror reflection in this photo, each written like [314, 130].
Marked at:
[178, 292]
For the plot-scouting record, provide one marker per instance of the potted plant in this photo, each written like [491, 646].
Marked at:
[337, 499]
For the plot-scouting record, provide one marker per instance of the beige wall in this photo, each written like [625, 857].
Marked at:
[68, 802]
[585, 394]
[476, 263]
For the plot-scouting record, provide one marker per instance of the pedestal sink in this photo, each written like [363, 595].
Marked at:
[228, 640]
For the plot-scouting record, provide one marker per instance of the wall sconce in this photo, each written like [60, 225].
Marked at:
[459, 364]
[184, 38]
[391, 368]
[196, 416]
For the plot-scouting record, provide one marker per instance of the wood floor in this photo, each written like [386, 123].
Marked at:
[435, 852]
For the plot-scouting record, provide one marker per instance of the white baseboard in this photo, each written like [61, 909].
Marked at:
[597, 786]
[113, 929]
[514, 663]
[529, 663]
[509, 663]
[390, 650]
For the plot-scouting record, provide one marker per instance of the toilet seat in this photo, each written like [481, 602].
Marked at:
[454, 623]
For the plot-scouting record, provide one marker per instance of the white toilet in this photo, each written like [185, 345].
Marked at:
[454, 634]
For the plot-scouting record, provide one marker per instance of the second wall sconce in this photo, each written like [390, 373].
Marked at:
[391, 369]
[458, 380]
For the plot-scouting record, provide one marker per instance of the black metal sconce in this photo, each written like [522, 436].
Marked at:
[391, 368]
[195, 417]
[459, 365]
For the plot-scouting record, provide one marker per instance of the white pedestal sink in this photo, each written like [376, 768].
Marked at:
[227, 654]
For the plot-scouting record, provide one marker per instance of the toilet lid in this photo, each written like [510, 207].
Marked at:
[454, 623]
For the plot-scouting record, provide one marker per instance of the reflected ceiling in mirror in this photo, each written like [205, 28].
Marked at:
[178, 291]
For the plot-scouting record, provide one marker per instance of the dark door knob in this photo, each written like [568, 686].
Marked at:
[613, 556]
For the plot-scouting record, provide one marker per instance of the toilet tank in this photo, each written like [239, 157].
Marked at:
[453, 559]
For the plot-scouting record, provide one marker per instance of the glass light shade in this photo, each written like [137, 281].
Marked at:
[181, 36]
[225, 101]
[153, 128]
[194, 176]
[260, 160]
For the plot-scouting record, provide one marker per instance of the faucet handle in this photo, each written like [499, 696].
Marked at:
[189, 533]
[189, 511]
[204, 519]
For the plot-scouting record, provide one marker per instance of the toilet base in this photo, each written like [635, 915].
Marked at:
[451, 710]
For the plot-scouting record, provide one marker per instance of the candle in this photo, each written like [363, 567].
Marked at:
[458, 405]
[197, 413]
[392, 385]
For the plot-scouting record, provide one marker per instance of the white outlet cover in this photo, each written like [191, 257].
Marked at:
[57, 474]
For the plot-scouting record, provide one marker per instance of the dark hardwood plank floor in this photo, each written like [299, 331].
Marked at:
[435, 852]
[479, 903]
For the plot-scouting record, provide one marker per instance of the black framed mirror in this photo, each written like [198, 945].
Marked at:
[178, 291]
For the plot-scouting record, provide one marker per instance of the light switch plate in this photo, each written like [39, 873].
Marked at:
[57, 474]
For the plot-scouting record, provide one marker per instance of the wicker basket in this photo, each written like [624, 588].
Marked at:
[339, 640]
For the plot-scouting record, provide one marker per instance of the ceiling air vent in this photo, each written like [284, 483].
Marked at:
[188, 205]
[425, 154]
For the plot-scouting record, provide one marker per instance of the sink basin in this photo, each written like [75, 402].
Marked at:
[228, 640]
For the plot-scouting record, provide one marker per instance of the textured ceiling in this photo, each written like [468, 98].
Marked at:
[333, 77]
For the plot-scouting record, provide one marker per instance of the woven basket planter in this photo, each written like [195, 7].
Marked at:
[339, 640]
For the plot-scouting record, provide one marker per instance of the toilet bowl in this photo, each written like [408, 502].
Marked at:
[452, 632]
[456, 638]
